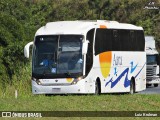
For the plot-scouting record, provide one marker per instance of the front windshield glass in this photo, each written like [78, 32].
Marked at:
[151, 59]
[58, 55]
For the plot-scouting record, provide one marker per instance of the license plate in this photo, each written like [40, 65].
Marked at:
[56, 89]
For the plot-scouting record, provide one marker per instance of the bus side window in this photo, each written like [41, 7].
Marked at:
[124, 40]
[132, 40]
[100, 41]
[103, 40]
[115, 34]
[89, 56]
[116, 46]
[140, 40]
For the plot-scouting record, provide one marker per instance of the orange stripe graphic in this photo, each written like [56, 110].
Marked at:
[103, 26]
[105, 63]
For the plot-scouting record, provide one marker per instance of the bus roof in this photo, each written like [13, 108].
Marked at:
[81, 26]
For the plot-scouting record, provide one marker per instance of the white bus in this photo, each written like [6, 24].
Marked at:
[79, 57]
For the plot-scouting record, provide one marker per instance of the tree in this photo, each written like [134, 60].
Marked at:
[99, 7]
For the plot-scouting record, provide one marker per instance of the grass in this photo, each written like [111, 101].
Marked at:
[104, 102]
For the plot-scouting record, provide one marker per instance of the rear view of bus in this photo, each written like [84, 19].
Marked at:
[79, 57]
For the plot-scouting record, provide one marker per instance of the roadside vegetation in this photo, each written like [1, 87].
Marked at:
[104, 102]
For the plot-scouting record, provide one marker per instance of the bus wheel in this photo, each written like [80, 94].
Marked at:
[132, 87]
[97, 88]
[155, 85]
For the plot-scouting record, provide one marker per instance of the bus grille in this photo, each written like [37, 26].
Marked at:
[54, 84]
[151, 72]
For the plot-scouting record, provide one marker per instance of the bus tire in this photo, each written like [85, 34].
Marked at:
[155, 85]
[132, 87]
[97, 87]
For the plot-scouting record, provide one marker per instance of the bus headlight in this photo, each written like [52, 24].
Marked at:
[76, 80]
[37, 81]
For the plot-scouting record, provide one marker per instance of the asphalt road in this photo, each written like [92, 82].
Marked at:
[151, 90]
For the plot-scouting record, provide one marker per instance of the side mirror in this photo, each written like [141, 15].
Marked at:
[85, 47]
[26, 49]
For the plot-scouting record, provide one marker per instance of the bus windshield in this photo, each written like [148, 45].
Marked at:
[151, 59]
[57, 56]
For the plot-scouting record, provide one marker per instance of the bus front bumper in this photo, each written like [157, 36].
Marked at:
[78, 88]
[153, 80]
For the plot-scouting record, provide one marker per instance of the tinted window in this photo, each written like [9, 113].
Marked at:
[119, 40]
[103, 40]
[140, 40]
[89, 56]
